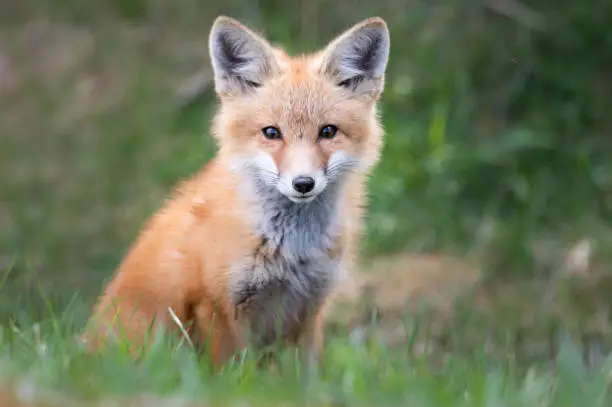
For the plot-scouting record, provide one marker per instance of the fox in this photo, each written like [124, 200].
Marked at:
[254, 246]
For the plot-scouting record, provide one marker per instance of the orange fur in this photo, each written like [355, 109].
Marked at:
[184, 256]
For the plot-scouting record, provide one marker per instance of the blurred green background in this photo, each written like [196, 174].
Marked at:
[497, 114]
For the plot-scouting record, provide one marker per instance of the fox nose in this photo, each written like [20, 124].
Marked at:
[303, 184]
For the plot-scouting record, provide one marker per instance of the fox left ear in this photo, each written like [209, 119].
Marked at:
[357, 59]
[241, 59]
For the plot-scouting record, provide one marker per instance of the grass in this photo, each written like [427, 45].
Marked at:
[479, 356]
[43, 363]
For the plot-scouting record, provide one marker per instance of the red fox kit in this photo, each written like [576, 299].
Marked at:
[254, 245]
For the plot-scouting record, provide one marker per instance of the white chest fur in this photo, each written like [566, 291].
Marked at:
[291, 271]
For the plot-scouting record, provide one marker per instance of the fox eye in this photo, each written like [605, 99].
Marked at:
[328, 131]
[271, 133]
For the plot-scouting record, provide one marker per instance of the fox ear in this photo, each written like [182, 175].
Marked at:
[241, 60]
[357, 59]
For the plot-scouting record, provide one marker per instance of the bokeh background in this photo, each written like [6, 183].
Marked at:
[498, 153]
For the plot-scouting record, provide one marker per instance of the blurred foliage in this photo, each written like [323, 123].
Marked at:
[495, 110]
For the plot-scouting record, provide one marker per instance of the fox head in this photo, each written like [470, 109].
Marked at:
[296, 125]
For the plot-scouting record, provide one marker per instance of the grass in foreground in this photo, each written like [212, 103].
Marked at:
[44, 363]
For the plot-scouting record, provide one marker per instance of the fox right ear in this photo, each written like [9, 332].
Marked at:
[357, 59]
[241, 60]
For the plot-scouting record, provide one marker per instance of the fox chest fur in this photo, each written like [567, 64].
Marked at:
[284, 280]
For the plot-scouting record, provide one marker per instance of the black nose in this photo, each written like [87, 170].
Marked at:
[303, 184]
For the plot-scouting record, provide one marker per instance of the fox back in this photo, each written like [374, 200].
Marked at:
[261, 236]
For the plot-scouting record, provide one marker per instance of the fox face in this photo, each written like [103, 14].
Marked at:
[296, 126]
